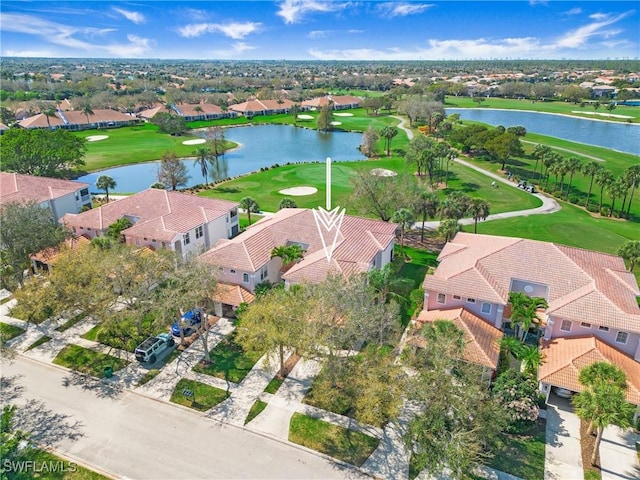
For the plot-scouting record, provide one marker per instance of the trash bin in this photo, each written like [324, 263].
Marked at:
[108, 372]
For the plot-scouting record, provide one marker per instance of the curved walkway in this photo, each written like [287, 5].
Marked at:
[567, 150]
[402, 126]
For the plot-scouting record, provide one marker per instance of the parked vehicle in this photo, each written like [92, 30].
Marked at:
[525, 186]
[149, 350]
[563, 392]
[188, 323]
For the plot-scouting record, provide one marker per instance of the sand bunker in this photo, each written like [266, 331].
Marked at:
[196, 141]
[299, 191]
[381, 172]
[602, 114]
[343, 114]
[305, 117]
[96, 138]
[335, 123]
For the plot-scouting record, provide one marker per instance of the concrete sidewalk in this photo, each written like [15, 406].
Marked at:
[563, 454]
[618, 454]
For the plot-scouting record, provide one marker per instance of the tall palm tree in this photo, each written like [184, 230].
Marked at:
[531, 358]
[87, 110]
[49, 112]
[633, 175]
[427, 205]
[603, 179]
[548, 161]
[455, 205]
[250, 205]
[630, 251]
[448, 229]
[561, 170]
[202, 159]
[573, 164]
[602, 372]
[616, 189]
[590, 169]
[388, 133]
[404, 218]
[288, 253]
[538, 153]
[524, 311]
[105, 182]
[479, 210]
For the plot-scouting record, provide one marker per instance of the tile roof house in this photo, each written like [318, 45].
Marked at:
[338, 102]
[60, 196]
[47, 258]
[201, 111]
[246, 260]
[588, 293]
[77, 120]
[254, 107]
[178, 221]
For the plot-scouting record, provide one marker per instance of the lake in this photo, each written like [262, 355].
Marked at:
[259, 146]
[623, 137]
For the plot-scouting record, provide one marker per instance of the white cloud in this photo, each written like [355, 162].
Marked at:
[30, 53]
[393, 9]
[67, 37]
[236, 49]
[292, 11]
[135, 17]
[316, 34]
[234, 30]
[537, 2]
[580, 37]
[574, 11]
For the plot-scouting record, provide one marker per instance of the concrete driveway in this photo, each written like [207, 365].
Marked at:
[563, 457]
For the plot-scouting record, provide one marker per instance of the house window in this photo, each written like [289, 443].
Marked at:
[199, 231]
[245, 277]
[565, 326]
[232, 271]
[456, 297]
[622, 337]
[486, 307]
[264, 273]
[441, 298]
[603, 329]
[471, 300]
[186, 239]
[585, 325]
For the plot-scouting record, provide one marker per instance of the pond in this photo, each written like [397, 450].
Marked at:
[259, 146]
[623, 137]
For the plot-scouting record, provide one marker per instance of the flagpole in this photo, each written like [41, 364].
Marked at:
[328, 183]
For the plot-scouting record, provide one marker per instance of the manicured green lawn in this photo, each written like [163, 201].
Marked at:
[341, 443]
[87, 361]
[229, 361]
[128, 338]
[566, 108]
[204, 396]
[66, 470]
[522, 455]
[7, 332]
[257, 408]
[71, 322]
[41, 341]
[274, 385]
[148, 376]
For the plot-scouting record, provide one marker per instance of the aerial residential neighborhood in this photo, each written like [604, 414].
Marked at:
[317, 240]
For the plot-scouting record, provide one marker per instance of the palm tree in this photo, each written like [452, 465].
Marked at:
[455, 205]
[538, 153]
[548, 161]
[531, 358]
[448, 229]
[427, 206]
[295, 110]
[630, 251]
[388, 133]
[561, 170]
[202, 159]
[105, 182]
[524, 311]
[573, 164]
[632, 174]
[388, 284]
[250, 205]
[511, 346]
[289, 254]
[479, 210]
[616, 189]
[49, 112]
[87, 111]
[602, 372]
[603, 178]
[404, 218]
[590, 170]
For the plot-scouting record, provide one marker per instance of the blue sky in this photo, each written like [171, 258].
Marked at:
[321, 29]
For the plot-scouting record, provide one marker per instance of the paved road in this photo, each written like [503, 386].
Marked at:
[134, 436]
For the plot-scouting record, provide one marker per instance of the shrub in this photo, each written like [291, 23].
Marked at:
[557, 193]
[605, 211]
[518, 395]
[593, 209]
[574, 199]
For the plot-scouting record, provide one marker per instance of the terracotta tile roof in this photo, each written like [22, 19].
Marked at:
[40, 121]
[261, 105]
[160, 214]
[19, 188]
[49, 256]
[151, 112]
[582, 285]
[103, 115]
[232, 295]
[482, 340]
[189, 110]
[565, 357]
[360, 239]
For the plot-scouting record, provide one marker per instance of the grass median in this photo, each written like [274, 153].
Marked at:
[202, 398]
[87, 361]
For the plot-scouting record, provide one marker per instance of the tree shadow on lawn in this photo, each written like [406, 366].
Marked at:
[102, 388]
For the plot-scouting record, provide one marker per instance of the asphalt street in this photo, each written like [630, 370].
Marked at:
[136, 437]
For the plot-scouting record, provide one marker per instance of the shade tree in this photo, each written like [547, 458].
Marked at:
[172, 172]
